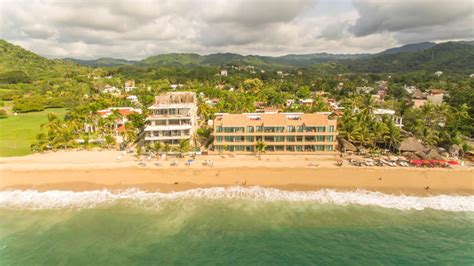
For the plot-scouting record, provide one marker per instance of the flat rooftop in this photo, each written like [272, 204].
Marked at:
[273, 119]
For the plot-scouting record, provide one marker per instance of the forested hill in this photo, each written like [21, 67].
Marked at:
[101, 62]
[457, 57]
[18, 65]
[427, 56]
[412, 47]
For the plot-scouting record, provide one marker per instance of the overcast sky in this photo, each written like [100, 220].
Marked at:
[137, 29]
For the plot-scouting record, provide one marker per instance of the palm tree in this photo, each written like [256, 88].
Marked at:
[260, 148]
[184, 146]
[157, 147]
[392, 136]
[368, 106]
[167, 148]
[379, 129]
[428, 135]
[350, 128]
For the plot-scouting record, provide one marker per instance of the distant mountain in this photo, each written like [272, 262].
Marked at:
[449, 57]
[101, 62]
[413, 47]
[220, 59]
[18, 63]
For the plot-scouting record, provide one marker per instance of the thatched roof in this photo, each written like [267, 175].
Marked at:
[434, 155]
[347, 145]
[421, 155]
[410, 144]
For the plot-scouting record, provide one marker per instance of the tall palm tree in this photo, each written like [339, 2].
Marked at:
[379, 129]
[368, 106]
[261, 148]
[393, 135]
[184, 146]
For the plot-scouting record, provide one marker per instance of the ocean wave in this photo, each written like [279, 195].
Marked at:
[32, 199]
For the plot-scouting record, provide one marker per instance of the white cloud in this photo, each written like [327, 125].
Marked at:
[137, 29]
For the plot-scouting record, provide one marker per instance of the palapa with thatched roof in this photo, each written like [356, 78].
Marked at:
[346, 145]
[433, 154]
[410, 144]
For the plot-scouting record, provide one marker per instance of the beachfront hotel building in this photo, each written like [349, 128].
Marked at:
[172, 118]
[281, 132]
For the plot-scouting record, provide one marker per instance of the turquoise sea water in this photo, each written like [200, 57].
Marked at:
[236, 227]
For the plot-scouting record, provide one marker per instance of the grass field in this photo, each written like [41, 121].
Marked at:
[18, 132]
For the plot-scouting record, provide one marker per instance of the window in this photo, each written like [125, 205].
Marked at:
[331, 128]
[233, 129]
[239, 138]
[219, 138]
[309, 138]
[249, 138]
[250, 129]
[229, 139]
[291, 129]
[269, 139]
[320, 138]
[300, 128]
[239, 148]
[274, 129]
[319, 147]
[299, 138]
[219, 129]
[290, 148]
[259, 128]
[280, 138]
[299, 148]
[290, 138]
[279, 148]
[329, 138]
[329, 147]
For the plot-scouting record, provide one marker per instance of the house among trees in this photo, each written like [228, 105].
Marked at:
[434, 96]
[119, 115]
[379, 113]
[111, 90]
[129, 85]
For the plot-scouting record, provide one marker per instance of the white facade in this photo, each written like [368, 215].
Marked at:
[172, 118]
[396, 119]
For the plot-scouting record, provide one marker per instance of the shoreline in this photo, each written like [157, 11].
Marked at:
[388, 181]
[97, 170]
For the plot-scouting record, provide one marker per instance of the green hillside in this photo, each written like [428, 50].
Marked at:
[102, 62]
[453, 57]
[18, 65]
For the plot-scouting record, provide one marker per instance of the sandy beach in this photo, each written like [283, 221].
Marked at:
[90, 170]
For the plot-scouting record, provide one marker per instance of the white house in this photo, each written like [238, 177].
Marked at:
[129, 85]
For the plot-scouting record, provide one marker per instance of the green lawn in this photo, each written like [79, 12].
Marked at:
[18, 132]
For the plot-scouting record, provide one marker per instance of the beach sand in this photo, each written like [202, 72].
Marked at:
[90, 170]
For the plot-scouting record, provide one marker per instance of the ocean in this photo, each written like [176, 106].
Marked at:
[234, 226]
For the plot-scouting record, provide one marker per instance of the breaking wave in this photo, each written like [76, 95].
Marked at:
[32, 199]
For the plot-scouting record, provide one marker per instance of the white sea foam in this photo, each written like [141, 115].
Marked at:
[32, 199]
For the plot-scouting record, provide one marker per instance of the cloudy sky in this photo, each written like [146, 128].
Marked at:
[136, 29]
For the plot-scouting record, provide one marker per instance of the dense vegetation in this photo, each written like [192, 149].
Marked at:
[33, 83]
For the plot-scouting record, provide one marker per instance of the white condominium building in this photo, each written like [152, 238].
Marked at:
[172, 118]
